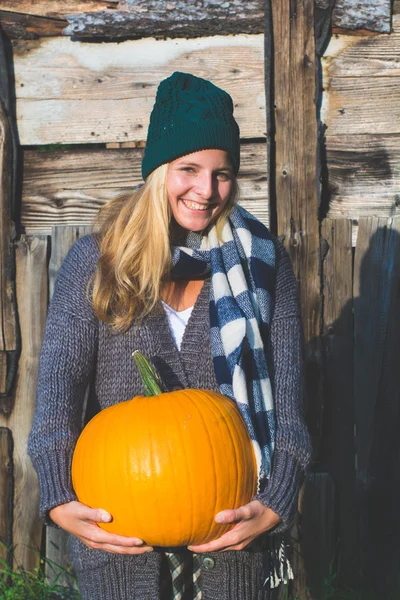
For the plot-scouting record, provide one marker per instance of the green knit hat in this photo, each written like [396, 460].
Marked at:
[190, 114]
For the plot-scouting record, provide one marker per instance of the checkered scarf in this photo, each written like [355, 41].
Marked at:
[242, 266]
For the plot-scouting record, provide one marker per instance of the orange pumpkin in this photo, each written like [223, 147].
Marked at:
[164, 466]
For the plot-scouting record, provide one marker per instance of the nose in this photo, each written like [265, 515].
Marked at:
[205, 185]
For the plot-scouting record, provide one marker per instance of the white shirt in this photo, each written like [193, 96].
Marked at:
[177, 320]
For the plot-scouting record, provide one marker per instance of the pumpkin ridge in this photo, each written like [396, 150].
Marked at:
[213, 457]
[133, 457]
[173, 462]
[221, 413]
[190, 475]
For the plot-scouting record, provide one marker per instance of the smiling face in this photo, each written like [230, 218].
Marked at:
[199, 186]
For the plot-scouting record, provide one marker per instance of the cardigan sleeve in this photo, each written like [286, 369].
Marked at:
[292, 451]
[66, 365]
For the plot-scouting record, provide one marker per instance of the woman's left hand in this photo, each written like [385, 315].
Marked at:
[251, 520]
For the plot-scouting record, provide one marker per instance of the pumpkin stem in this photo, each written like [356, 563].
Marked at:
[151, 381]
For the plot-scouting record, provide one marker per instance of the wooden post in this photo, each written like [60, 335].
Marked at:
[8, 317]
[296, 174]
[295, 160]
[6, 487]
[377, 400]
[32, 293]
[339, 452]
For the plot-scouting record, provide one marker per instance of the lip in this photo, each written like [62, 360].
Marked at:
[197, 210]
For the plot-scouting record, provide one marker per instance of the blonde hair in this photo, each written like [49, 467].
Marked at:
[135, 254]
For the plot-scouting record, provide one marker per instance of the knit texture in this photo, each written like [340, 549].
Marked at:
[78, 349]
[190, 114]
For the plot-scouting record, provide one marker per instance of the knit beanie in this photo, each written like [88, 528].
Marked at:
[190, 114]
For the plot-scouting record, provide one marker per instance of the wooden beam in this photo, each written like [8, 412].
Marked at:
[377, 394]
[69, 187]
[297, 176]
[156, 18]
[339, 451]
[32, 296]
[6, 496]
[178, 18]
[72, 92]
[8, 314]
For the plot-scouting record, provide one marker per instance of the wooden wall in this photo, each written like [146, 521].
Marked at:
[82, 111]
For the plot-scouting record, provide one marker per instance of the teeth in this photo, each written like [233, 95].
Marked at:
[195, 205]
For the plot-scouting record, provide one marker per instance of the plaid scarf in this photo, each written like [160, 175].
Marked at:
[242, 266]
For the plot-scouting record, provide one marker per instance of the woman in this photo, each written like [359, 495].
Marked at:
[196, 283]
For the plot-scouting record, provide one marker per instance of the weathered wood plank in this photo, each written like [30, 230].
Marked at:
[377, 393]
[179, 18]
[29, 27]
[363, 56]
[57, 540]
[374, 276]
[29, 19]
[32, 293]
[315, 548]
[360, 76]
[296, 174]
[69, 187]
[338, 348]
[71, 92]
[54, 8]
[364, 175]
[6, 497]
[354, 106]
[8, 310]
[374, 15]
[3, 372]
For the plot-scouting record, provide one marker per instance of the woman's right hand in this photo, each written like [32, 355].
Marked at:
[81, 521]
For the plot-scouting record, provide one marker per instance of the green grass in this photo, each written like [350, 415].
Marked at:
[20, 584]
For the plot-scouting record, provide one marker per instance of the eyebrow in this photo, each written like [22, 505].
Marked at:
[193, 164]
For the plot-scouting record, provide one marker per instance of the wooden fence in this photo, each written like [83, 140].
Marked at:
[333, 197]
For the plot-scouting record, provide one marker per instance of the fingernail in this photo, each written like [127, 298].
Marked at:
[138, 542]
[105, 516]
[219, 518]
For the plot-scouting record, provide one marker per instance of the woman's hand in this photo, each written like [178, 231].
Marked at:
[251, 520]
[81, 521]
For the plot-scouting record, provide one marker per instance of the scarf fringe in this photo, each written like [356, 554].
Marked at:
[277, 565]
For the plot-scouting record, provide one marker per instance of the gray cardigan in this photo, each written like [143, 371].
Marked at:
[78, 350]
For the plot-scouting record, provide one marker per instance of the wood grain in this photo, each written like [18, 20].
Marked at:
[316, 546]
[135, 18]
[339, 411]
[69, 187]
[8, 310]
[32, 293]
[363, 175]
[6, 497]
[377, 395]
[157, 18]
[296, 192]
[360, 76]
[71, 92]
[296, 171]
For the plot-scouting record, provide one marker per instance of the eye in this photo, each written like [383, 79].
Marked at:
[187, 169]
[223, 176]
